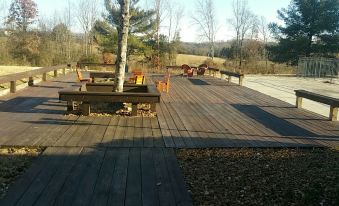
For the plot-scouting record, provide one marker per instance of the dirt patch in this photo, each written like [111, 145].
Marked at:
[261, 176]
[13, 163]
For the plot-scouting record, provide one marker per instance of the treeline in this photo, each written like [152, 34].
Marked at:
[39, 47]
[48, 43]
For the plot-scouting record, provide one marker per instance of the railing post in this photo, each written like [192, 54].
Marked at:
[299, 102]
[334, 113]
[241, 78]
[56, 73]
[30, 81]
[44, 77]
[13, 86]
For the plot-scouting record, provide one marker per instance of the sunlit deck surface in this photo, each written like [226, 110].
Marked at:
[196, 113]
[131, 160]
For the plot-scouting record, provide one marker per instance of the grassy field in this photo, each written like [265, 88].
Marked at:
[252, 67]
[4, 70]
[196, 60]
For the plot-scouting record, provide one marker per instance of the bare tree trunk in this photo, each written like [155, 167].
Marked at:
[122, 45]
[205, 18]
[158, 22]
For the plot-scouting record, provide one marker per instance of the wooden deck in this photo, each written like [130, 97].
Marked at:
[88, 176]
[197, 113]
[131, 160]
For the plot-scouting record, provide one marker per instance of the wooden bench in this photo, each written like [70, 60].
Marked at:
[213, 71]
[333, 102]
[232, 74]
[103, 93]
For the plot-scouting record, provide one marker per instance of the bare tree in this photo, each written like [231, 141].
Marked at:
[159, 15]
[68, 22]
[242, 23]
[204, 17]
[87, 15]
[265, 34]
[175, 14]
[123, 29]
[3, 7]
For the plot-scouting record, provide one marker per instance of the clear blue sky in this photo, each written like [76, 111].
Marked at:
[266, 8]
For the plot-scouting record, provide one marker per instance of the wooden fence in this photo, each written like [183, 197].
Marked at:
[318, 67]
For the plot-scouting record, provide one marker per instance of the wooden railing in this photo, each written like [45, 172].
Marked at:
[12, 78]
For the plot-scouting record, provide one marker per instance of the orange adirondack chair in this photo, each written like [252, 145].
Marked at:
[137, 77]
[164, 85]
[80, 77]
[188, 71]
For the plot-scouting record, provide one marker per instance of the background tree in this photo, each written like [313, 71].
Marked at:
[3, 9]
[22, 43]
[67, 20]
[265, 34]
[141, 30]
[22, 13]
[87, 16]
[242, 23]
[311, 29]
[174, 11]
[205, 19]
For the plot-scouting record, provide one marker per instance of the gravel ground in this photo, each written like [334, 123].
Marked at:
[261, 176]
[13, 163]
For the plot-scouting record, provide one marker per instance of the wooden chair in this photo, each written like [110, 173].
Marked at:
[202, 69]
[163, 86]
[188, 71]
[80, 77]
[137, 77]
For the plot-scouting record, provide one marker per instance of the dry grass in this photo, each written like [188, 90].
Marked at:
[5, 70]
[249, 67]
[194, 60]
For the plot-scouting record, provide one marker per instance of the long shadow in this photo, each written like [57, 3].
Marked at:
[278, 125]
[49, 87]
[31, 105]
[198, 82]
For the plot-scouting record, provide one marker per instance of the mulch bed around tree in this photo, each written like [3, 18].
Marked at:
[261, 176]
[117, 109]
[13, 163]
